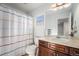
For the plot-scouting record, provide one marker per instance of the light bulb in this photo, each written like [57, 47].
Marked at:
[53, 5]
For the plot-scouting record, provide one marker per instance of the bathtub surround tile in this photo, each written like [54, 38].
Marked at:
[14, 36]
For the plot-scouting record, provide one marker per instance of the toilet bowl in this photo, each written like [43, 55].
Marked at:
[31, 50]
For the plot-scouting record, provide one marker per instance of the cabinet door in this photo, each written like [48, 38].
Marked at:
[45, 51]
[61, 54]
[62, 48]
[51, 53]
[74, 52]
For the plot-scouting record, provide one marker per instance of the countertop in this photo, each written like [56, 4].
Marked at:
[72, 42]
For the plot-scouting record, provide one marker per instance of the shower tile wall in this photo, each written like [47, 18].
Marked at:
[16, 32]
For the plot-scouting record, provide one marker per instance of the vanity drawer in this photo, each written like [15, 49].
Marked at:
[52, 46]
[74, 52]
[43, 43]
[62, 48]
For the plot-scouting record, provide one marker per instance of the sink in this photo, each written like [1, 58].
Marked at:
[63, 39]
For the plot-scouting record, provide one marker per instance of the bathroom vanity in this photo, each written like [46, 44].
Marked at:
[55, 47]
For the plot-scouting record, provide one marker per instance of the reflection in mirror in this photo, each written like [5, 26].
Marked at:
[63, 27]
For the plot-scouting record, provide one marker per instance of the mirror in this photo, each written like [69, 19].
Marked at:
[58, 22]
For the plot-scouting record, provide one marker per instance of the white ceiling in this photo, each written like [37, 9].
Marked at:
[30, 7]
[26, 7]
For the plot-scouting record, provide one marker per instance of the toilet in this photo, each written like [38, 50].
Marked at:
[31, 50]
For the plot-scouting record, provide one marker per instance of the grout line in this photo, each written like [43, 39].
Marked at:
[15, 42]
[12, 50]
[14, 36]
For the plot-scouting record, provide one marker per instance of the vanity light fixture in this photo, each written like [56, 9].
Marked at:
[57, 6]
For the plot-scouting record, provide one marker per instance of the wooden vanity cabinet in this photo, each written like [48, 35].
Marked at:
[62, 49]
[44, 49]
[74, 52]
[61, 54]
[52, 49]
